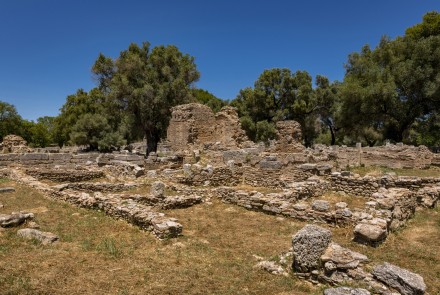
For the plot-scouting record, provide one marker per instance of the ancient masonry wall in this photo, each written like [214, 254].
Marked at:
[366, 186]
[195, 125]
[114, 205]
[67, 158]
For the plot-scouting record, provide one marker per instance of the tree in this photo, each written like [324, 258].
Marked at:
[278, 94]
[388, 89]
[328, 104]
[147, 83]
[204, 97]
[95, 131]
[430, 26]
[10, 120]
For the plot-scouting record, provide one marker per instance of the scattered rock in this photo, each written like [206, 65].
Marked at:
[151, 173]
[32, 224]
[7, 189]
[14, 219]
[404, 281]
[346, 291]
[271, 267]
[371, 232]
[44, 237]
[1, 205]
[321, 205]
[157, 189]
[308, 246]
[343, 258]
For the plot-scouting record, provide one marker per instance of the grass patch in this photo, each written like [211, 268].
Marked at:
[351, 200]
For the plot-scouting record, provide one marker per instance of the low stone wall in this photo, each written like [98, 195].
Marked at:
[286, 203]
[130, 210]
[96, 187]
[28, 159]
[64, 175]
[391, 156]
[197, 175]
[367, 185]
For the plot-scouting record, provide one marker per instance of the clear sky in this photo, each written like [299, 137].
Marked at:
[47, 47]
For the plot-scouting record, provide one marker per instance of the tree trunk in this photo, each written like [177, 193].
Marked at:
[152, 140]
[332, 132]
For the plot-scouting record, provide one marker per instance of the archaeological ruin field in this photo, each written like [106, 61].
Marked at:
[213, 213]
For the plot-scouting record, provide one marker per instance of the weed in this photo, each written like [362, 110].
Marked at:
[108, 246]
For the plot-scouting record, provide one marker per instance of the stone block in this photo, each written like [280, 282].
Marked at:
[404, 281]
[308, 246]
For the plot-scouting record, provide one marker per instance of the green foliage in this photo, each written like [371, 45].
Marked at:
[94, 130]
[204, 97]
[429, 27]
[265, 131]
[388, 89]
[10, 120]
[145, 83]
[280, 94]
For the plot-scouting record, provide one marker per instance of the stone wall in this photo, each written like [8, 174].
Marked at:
[391, 156]
[67, 158]
[195, 126]
[367, 185]
[289, 137]
[14, 144]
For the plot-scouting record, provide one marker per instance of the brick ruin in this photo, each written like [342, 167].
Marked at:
[207, 155]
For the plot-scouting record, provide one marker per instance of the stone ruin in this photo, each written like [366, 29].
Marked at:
[208, 155]
[195, 125]
[14, 144]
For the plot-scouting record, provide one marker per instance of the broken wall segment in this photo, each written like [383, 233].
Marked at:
[14, 144]
[195, 125]
[113, 205]
[68, 159]
[289, 137]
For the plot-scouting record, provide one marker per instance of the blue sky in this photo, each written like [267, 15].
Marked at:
[47, 47]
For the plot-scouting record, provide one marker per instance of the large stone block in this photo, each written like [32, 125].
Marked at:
[44, 237]
[308, 246]
[404, 281]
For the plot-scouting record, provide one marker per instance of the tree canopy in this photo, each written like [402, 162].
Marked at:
[146, 83]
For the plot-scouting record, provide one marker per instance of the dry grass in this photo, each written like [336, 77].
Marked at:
[99, 255]
[351, 200]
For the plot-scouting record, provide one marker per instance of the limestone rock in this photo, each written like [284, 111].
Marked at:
[44, 237]
[346, 291]
[321, 205]
[157, 189]
[228, 128]
[371, 232]
[343, 258]
[14, 219]
[14, 144]
[308, 246]
[404, 281]
[7, 190]
[289, 137]
[271, 267]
